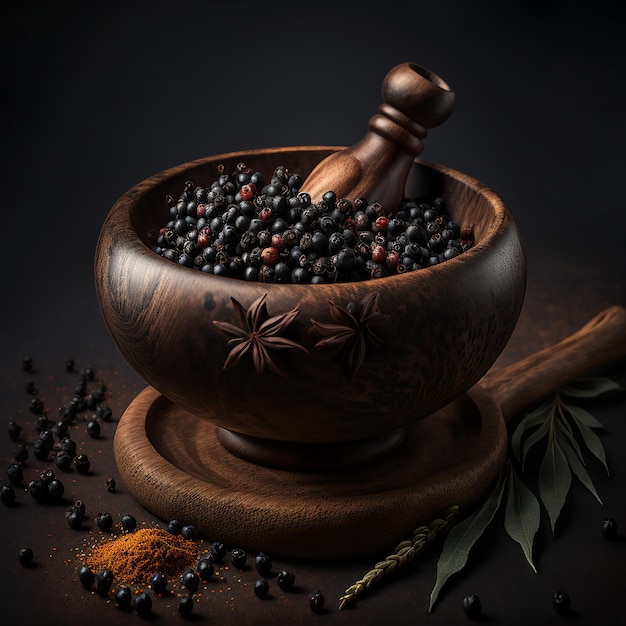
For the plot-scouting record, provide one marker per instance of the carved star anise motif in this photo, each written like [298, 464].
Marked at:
[258, 334]
[353, 330]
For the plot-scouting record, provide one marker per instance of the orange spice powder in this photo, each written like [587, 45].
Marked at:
[134, 557]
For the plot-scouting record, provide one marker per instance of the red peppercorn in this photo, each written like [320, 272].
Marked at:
[201, 210]
[467, 233]
[247, 192]
[204, 237]
[278, 242]
[392, 259]
[381, 224]
[270, 256]
[379, 254]
[266, 215]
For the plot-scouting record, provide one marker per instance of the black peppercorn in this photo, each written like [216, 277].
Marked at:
[74, 519]
[56, 489]
[123, 597]
[15, 474]
[261, 588]
[110, 485]
[316, 601]
[218, 551]
[15, 430]
[185, 605]
[472, 605]
[129, 523]
[189, 531]
[104, 580]
[82, 463]
[609, 528]
[239, 558]
[158, 582]
[263, 564]
[7, 495]
[561, 601]
[143, 604]
[174, 527]
[191, 580]
[285, 579]
[205, 568]
[25, 556]
[93, 429]
[86, 576]
[104, 521]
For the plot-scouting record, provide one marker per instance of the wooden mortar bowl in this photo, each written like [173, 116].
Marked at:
[445, 328]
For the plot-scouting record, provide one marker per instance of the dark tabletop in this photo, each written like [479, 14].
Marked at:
[95, 98]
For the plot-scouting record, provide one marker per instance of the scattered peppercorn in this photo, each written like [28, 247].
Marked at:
[123, 597]
[316, 601]
[561, 601]
[15, 430]
[239, 558]
[174, 527]
[472, 605]
[15, 474]
[185, 606]
[218, 551]
[285, 579]
[129, 523]
[74, 519]
[189, 531]
[104, 580]
[263, 564]
[104, 522]
[261, 588]
[205, 568]
[609, 528]
[93, 429]
[63, 460]
[27, 364]
[25, 556]
[7, 495]
[56, 489]
[86, 576]
[36, 406]
[158, 582]
[21, 453]
[82, 463]
[110, 484]
[143, 604]
[191, 580]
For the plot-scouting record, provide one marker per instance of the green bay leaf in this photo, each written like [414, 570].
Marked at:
[463, 536]
[573, 458]
[522, 515]
[536, 437]
[527, 423]
[590, 387]
[593, 443]
[582, 416]
[555, 479]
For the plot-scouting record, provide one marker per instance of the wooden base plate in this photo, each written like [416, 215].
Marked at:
[174, 465]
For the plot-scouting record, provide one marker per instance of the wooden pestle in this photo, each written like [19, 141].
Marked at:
[599, 342]
[376, 168]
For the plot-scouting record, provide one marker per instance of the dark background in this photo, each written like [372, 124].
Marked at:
[97, 96]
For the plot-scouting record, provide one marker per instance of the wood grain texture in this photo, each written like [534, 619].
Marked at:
[446, 325]
[174, 465]
[599, 342]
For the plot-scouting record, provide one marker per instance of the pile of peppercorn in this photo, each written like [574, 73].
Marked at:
[242, 227]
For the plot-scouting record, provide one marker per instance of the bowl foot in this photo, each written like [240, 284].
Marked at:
[174, 464]
[310, 457]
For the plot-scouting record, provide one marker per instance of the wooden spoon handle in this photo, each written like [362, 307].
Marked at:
[600, 341]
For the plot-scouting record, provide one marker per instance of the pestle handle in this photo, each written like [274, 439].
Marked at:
[376, 168]
[600, 341]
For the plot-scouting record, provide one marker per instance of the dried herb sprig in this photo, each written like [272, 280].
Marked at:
[404, 553]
